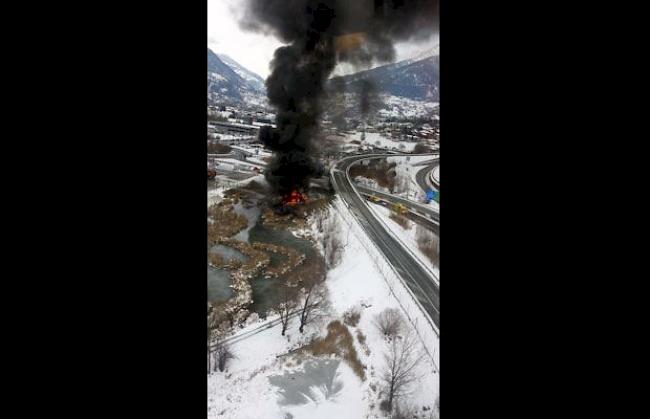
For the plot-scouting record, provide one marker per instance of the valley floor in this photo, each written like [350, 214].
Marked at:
[266, 381]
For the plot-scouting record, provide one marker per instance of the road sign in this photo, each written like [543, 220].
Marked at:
[432, 195]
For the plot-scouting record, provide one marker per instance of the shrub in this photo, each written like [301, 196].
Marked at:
[351, 317]
[389, 322]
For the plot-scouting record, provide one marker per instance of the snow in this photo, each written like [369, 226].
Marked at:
[362, 281]
[377, 139]
[235, 164]
[406, 186]
[406, 236]
[436, 174]
[215, 195]
[233, 137]
[396, 106]
[217, 76]
[344, 405]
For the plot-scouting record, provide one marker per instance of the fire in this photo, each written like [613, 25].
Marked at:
[294, 198]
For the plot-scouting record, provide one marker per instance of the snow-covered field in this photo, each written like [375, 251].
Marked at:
[235, 164]
[377, 139]
[216, 194]
[250, 388]
[406, 186]
[395, 106]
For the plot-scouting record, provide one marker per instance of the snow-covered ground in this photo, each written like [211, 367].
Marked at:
[216, 194]
[406, 236]
[235, 137]
[406, 170]
[235, 164]
[250, 388]
[377, 139]
[396, 106]
[406, 186]
[436, 174]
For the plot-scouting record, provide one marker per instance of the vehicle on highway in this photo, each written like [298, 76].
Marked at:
[400, 208]
[373, 198]
[432, 196]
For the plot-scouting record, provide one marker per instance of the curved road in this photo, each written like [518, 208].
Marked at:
[416, 277]
[421, 176]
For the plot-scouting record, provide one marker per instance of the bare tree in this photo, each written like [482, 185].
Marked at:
[314, 300]
[403, 412]
[218, 349]
[333, 246]
[223, 354]
[285, 308]
[209, 350]
[429, 243]
[389, 322]
[401, 362]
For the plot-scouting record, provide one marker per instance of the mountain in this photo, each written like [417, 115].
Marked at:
[411, 79]
[252, 79]
[230, 82]
[222, 80]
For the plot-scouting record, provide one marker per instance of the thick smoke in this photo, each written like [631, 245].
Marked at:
[319, 34]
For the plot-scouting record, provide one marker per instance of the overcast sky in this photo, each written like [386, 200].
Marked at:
[255, 51]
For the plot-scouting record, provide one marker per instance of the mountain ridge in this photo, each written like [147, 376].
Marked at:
[412, 79]
[230, 82]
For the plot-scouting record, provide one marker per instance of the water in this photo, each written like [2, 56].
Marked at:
[219, 282]
[252, 214]
[267, 293]
[318, 380]
[228, 253]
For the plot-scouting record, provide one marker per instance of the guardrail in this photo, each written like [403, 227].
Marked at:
[396, 286]
[398, 292]
[389, 231]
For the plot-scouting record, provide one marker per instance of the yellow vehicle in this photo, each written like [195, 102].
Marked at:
[373, 198]
[400, 208]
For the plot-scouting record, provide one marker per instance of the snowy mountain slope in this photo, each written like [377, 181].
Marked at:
[232, 82]
[411, 79]
[255, 81]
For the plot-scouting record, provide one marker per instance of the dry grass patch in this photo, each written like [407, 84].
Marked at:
[429, 244]
[216, 148]
[361, 338]
[314, 205]
[338, 342]
[401, 220]
[226, 223]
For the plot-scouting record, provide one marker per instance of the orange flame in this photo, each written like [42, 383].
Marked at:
[294, 198]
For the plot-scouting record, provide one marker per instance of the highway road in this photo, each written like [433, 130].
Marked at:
[421, 176]
[422, 209]
[416, 277]
[412, 215]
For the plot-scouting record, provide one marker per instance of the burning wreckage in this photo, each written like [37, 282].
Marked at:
[319, 34]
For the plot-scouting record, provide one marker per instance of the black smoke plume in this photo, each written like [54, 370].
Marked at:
[320, 33]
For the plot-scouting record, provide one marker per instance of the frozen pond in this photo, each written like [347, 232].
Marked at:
[219, 282]
[267, 293]
[228, 253]
[317, 381]
[252, 214]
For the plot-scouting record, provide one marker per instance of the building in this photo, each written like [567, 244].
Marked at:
[234, 128]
